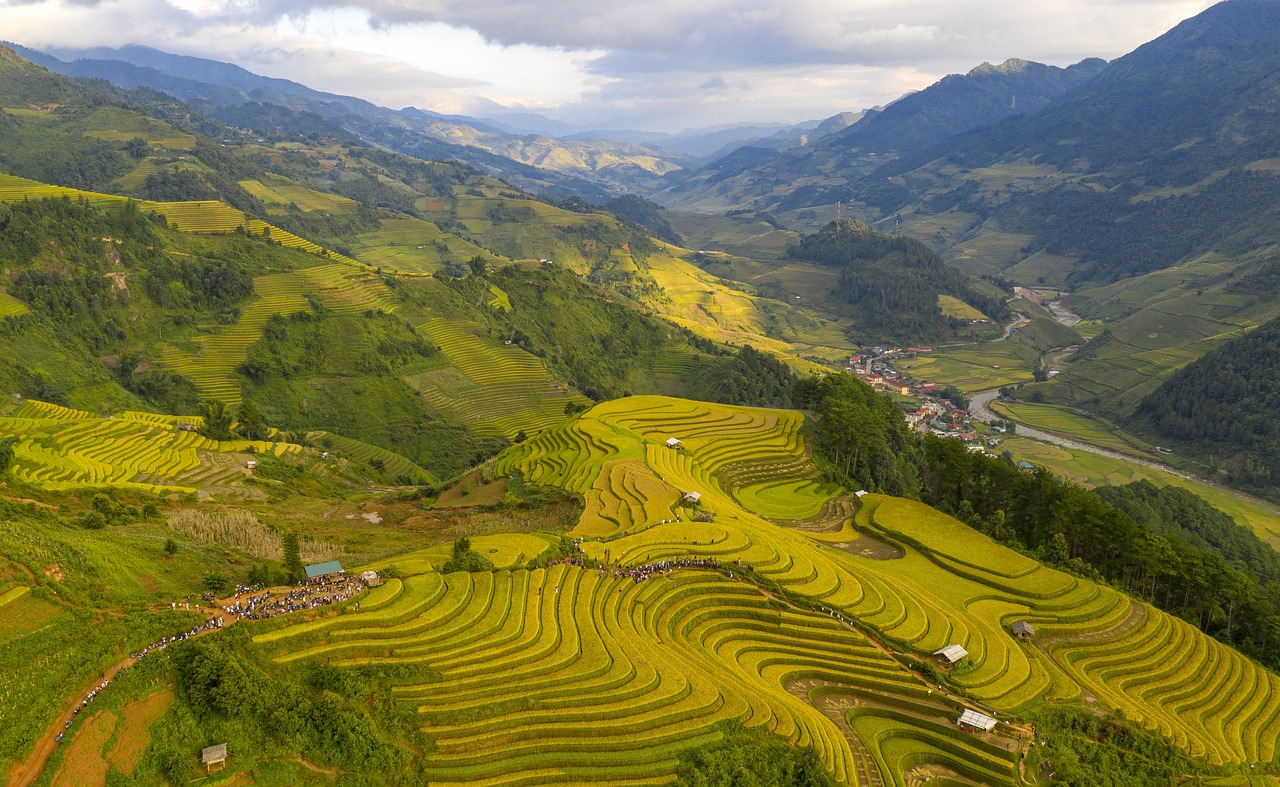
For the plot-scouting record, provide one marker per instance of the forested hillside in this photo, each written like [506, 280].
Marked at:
[1223, 408]
[891, 284]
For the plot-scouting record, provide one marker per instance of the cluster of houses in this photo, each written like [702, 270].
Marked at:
[935, 414]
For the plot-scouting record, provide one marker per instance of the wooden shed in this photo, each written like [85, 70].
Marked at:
[212, 756]
[951, 653]
[1023, 630]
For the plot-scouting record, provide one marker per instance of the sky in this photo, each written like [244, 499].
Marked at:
[657, 65]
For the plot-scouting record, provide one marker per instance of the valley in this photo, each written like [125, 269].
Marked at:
[925, 445]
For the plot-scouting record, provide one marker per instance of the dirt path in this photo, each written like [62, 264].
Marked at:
[25, 773]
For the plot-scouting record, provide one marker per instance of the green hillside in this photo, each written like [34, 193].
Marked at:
[1220, 409]
[662, 628]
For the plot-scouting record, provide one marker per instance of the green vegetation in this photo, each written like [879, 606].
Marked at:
[893, 284]
[1222, 407]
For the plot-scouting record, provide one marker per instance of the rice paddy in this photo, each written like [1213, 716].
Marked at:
[496, 390]
[61, 449]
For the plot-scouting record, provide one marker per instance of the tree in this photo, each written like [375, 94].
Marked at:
[466, 559]
[217, 420]
[136, 147]
[214, 582]
[252, 425]
[293, 557]
[170, 547]
[520, 437]
[127, 362]
[6, 452]
[477, 265]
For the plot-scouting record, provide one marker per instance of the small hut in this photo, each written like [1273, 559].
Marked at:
[1023, 630]
[978, 722]
[251, 463]
[674, 443]
[371, 579]
[691, 497]
[951, 653]
[214, 756]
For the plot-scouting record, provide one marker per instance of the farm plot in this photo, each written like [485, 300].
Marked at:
[11, 306]
[952, 586]
[495, 390]
[277, 193]
[345, 289]
[605, 679]
[410, 245]
[212, 366]
[67, 449]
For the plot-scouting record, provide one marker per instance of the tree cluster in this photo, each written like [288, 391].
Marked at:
[891, 283]
[1168, 547]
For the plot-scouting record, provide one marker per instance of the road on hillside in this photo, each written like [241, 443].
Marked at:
[979, 407]
[25, 773]
[1020, 320]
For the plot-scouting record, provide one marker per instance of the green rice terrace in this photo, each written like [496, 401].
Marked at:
[764, 598]
[59, 448]
[498, 390]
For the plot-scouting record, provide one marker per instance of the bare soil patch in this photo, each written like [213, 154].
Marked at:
[135, 735]
[84, 764]
[870, 547]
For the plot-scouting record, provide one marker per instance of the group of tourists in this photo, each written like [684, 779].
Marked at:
[319, 592]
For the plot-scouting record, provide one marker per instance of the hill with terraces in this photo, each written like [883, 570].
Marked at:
[658, 625]
[225, 355]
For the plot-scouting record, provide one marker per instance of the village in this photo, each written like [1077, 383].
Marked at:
[927, 407]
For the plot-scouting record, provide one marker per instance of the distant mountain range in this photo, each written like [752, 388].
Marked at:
[525, 148]
[906, 128]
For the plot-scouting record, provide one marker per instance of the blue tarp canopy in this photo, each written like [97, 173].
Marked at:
[320, 569]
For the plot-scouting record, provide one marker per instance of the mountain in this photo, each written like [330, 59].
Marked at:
[232, 362]
[958, 103]
[593, 169]
[906, 128]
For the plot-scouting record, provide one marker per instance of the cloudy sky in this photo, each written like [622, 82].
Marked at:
[655, 65]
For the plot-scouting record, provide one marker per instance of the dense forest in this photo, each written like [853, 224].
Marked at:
[1166, 546]
[891, 283]
[1223, 407]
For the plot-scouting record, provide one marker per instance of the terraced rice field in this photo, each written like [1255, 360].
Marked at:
[605, 679]
[395, 464]
[409, 245]
[280, 192]
[62, 449]
[953, 585]
[345, 289]
[495, 390]
[16, 189]
[212, 365]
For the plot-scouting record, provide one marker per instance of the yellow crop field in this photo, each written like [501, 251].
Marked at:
[59, 448]
[495, 390]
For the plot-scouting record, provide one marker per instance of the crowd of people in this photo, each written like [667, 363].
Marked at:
[319, 592]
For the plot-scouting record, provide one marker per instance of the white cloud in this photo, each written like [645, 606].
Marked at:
[652, 64]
